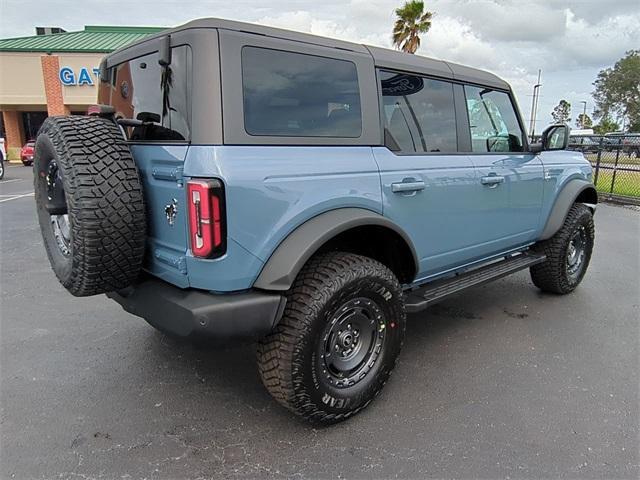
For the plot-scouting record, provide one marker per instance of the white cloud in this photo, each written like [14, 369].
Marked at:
[595, 45]
[507, 21]
[454, 40]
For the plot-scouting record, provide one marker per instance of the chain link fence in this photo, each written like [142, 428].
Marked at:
[616, 163]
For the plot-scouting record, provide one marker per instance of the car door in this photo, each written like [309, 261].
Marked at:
[510, 187]
[427, 185]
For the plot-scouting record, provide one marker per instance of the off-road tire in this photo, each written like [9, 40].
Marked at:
[104, 203]
[289, 361]
[552, 275]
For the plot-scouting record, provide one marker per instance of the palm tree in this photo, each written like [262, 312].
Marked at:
[412, 21]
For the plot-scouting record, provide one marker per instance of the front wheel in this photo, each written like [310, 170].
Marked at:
[568, 253]
[338, 340]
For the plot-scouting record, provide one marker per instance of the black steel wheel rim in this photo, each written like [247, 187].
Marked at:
[352, 342]
[576, 252]
[62, 233]
[57, 207]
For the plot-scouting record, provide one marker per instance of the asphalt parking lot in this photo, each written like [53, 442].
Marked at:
[499, 382]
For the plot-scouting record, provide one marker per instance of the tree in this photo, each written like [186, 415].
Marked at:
[562, 112]
[617, 91]
[585, 122]
[606, 125]
[411, 22]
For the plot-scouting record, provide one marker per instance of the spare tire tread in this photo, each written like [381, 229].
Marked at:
[104, 201]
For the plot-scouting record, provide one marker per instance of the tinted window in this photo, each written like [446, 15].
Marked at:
[296, 95]
[419, 113]
[141, 89]
[493, 121]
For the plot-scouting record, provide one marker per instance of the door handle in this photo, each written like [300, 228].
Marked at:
[407, 186]
[492, 180]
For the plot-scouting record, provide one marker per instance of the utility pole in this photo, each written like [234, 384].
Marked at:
[534, 106]
[584, 114]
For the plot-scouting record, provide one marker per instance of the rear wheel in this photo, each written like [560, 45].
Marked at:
[338, 339]
[1, 167]
[89, 203]
[568, 253]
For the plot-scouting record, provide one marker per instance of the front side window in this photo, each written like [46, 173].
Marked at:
[298, 95]
[419, 113]
[141, 89]
[493, 121]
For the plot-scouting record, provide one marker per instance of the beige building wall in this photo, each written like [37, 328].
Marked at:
[21, 81]
[30, 82]
[81, 95]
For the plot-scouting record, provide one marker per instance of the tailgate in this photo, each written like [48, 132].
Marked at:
[161, 170]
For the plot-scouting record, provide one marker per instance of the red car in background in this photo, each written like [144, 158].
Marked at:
[26, 153]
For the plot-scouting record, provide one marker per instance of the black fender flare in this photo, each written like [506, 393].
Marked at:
[280, 271]
[565, 199]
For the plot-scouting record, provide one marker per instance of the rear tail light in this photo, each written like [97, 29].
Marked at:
[206, 218]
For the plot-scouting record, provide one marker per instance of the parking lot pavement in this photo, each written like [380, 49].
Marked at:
[17, 182]
[499, 382]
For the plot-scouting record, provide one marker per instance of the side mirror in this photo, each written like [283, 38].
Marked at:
[555, 137]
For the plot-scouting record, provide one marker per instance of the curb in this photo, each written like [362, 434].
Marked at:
[618, 199]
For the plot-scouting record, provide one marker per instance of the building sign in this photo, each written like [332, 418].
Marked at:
[69, 78]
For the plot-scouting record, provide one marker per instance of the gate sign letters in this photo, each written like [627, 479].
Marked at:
[68, 76]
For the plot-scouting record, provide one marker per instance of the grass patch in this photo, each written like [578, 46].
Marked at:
[626, 183]
[13, 154]
[610, 158]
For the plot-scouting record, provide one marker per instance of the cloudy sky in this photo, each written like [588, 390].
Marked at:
[570, 40]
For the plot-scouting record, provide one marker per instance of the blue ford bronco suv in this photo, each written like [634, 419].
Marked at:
[239, 182]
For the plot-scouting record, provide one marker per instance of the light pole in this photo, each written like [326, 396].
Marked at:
[584, 114]
[534, 106]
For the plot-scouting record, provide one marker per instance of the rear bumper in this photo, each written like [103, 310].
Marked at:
[197, 313]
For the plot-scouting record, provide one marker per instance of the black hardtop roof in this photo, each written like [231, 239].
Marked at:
[382, 57]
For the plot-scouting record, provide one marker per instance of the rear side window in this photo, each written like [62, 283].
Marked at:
[419, 113]
[299, 95]
[142, 90]
[493, 121]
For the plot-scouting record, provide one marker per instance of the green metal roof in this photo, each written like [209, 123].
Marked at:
[93, 39]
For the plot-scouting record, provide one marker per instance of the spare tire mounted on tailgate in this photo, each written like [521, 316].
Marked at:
[90, 204]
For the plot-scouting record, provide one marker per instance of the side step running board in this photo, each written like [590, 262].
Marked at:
[430, 293]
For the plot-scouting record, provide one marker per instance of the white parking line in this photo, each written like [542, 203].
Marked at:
[2, 182]
[15, 197]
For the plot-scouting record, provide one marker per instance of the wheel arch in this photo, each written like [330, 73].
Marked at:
[340, 229]
[575, 191]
